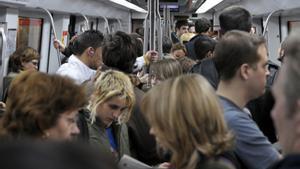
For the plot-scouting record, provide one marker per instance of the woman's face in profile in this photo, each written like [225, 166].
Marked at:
[111, 110]
[31, 65]
[65, 127]
[178, 54]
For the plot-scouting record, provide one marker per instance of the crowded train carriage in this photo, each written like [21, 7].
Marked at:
[176, 84]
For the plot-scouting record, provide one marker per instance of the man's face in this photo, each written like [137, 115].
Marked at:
[284, 125]
[183, 29]
[258, 78]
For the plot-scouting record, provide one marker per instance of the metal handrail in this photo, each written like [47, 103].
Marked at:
[87, 26]
[4, 60]
[54, 32]
[268, 20]
[106, 24]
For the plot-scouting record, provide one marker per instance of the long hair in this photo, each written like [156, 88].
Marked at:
[187, 118]
[109, 84]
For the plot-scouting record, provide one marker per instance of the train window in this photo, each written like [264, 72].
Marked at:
[293, 26]
[30, 32]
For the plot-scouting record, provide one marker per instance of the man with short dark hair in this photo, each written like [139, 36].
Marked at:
[235, 18]
[286, 112]
[119, 53]
[181, 27]
[237, 15]
[242, 62]
[202, 27]
[86, 59]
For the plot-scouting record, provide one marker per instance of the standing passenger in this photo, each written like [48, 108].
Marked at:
[231, 18]
[242, 61]
[181, 27]
[186, 118]
[119, 53]
[202, 27]
[87, 57]
[110, 106]
[286, 111]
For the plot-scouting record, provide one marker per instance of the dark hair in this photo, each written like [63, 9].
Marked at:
[204, 45]
[29, 154]
[181, 23]
[202, 25]
[235, 18]
[234, 49]
[35, 102]
[166, 44]
[186, 64]
[140, 31]
[138, 43]
[22, 54]
[90, 38]
[119, 52]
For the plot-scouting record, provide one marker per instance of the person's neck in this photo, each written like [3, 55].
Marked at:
[234, 91]
[84, 59]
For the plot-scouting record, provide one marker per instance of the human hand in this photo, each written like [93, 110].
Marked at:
[59, 45]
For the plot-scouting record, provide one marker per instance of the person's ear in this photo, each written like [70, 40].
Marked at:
[245, 71]
[91, 51]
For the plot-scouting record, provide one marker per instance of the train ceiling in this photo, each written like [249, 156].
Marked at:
[185, 6]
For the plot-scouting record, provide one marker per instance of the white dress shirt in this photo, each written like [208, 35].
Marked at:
[76, 70]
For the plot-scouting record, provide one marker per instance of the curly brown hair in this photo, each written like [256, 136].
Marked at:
[35, 102]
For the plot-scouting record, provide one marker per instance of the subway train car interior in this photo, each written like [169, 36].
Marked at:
[131, 59]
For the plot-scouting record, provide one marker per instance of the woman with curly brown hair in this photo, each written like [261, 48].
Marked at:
[42, 106]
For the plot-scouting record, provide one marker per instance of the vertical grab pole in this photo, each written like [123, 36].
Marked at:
[120, 23]
[4, 61]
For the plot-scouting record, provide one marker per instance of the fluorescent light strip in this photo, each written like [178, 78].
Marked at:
[129, 5]
[207, 5]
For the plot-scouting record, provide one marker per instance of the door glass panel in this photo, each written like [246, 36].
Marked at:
[30, 32]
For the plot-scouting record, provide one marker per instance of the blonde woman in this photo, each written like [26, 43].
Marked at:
[178, 50]
[186, 119]
[110, 108]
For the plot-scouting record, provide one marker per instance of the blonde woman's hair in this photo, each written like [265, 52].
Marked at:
[166, 68]
[178, 46]
[187, 118]
[109, 84]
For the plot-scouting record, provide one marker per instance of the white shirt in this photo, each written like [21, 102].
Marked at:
[76, 70]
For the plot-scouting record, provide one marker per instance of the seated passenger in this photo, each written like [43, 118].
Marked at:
[186, 119]
[42, 106]
[110, 107]
[23, 59]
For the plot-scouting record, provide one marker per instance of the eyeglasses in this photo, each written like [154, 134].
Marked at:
[36, 63]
